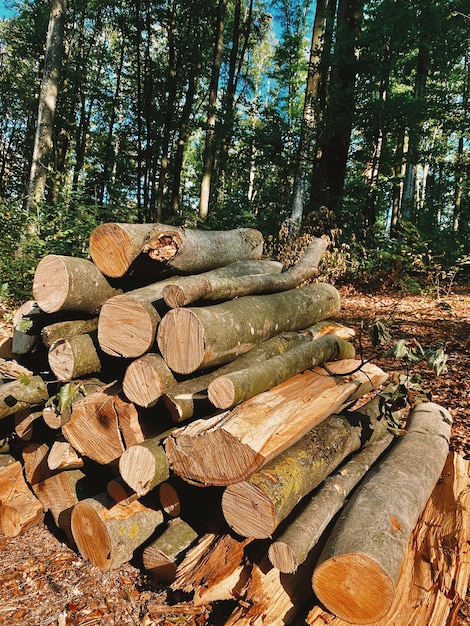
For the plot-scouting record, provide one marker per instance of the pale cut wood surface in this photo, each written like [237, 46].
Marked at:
[227, 448]
[146, 379]
[436, 567]
[19, 507]
[357, 572]
[74, 357]
[63, 456]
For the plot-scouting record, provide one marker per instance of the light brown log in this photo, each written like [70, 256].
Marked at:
[256, 506]
[145, 465]
[170, 500]
[69, 283]
[58, 491]
[230, 389]
[434, 576]
[19, 507]
[67, 329]
[24, 423]
[25, 393]
[224, 288]
[12, 370]
[146, 379]
[62, 456]
[107, 534]
[114, 247]
[120, 492]
[358, 570]
[137, 314]
[6, 347]
[195, 338]
[59, 407]
[160, 558]
[227, 448]
[189, 398]
[74, 357]
[291, 548]
[93, 429]
[214, 569]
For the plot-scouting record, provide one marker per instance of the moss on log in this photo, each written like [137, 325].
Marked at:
[25, 393]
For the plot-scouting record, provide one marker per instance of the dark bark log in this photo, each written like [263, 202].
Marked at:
[358, 570]
[195, 338]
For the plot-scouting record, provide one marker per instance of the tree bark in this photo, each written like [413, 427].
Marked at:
[146, 379]
[137, 313]
[107, 534]
[74, 358]
[196, 288]
[114, 247]
[24, 393]
[67, 329]
[69, 283]
[194, 338]
[19, 508]
[247, 437]
[230, 389]
[255, 507]
[189, 398]
[357, 573]
[161, 556]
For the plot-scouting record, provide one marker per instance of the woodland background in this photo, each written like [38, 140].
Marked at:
[346, 118]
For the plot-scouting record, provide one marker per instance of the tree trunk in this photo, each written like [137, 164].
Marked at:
[114, 247]
[107, 534]
[146, 379]
[161, 556]
[24, 393]
[230, 389]
[69, 283]
[227, 287]
[247, 437]
[137, 313]
[191, 339]
[255, 507]
[435, 572]
[43, 141]
[358, 570]
[67, 329]
[189, 398]
[19, 508]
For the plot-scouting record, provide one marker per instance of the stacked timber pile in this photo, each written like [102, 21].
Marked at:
[182, 401]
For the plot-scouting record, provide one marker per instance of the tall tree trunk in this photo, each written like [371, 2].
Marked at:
[459, 160]
[209, 150]
[397, 192]
[309, 116]
[43, 142]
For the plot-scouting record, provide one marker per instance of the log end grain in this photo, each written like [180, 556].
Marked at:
[146, 379]
[354, 587]
[126, 327]
[222, 392]
[181, 341]
[283, 557]
[137, 467]
[112, 249]
[51, 283]
[169, 499]
[247, 511]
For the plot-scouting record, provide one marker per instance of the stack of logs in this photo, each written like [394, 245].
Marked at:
[182, 401]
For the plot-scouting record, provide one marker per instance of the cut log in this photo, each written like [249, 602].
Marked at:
[214, 569]
[291, 548]
[199, 287]
[160, 558]
[24, 423]
[255, 507]
[189, 398]
[19, 507]
[195, 338]
[146, 379]
[69, 283]
[144, 466]
[93, 429]
[114, 247]
[227, 448]
[358, 570]
[230, 389]
[6, 347]
[25, 393]
[67, 329]
[120, 492]
[27, 322]
[434, 576]
[107, 534]
[74, 357]
[63, 456]
[137, 313]
[58, 410]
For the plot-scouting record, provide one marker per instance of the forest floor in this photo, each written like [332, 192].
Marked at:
[43, 582]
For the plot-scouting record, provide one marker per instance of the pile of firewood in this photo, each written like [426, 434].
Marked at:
[181, 400]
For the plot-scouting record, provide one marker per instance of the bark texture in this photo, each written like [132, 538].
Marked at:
[24, 393]
[358, 570]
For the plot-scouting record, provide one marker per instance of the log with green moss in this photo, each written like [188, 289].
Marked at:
[357, 573]
[194, 338]
[24, 393]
